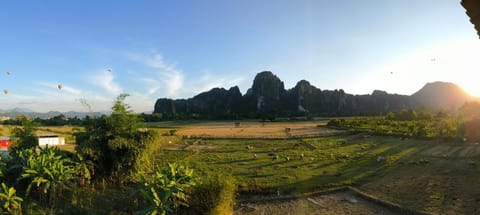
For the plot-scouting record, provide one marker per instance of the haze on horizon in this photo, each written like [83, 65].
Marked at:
[177, 49]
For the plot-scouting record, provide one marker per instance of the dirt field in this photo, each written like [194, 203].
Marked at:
[4, 130]
[447, 184]
[267, 130]
[344, 202]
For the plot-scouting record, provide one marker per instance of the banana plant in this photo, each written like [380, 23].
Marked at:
[9, 201]
[165, 191]
[49, 172]
[83, 169]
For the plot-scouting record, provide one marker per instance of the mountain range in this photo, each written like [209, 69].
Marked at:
[13, 113]
[268, 97]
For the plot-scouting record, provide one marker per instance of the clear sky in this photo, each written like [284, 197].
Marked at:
[178, 48]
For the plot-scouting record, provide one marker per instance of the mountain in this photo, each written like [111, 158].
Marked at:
[268, 98]
[441, 95]
[14, 113]
[217, 101]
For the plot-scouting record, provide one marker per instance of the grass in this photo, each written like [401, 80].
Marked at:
[447, 184]
[5, 130]
[327, 162]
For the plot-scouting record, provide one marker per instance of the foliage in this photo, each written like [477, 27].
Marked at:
[470, 109]
[408, 123]
[3, 168]
[409, 115]
[114, 143]
[9, 201]
[49, 172]
[214, 194]
[24, 137]
[83, 169]
[166, 189]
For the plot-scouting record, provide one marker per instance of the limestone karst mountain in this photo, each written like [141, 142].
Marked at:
[268, 97]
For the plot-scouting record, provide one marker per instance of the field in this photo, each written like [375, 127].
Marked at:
[422, 175]
[287, 172]
[257, 130]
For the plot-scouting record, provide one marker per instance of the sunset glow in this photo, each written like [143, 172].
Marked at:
[454, 61]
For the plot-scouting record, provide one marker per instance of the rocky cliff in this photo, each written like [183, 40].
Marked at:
[268, 97]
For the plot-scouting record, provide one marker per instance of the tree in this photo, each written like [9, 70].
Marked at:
[114, 143]
[24, 137]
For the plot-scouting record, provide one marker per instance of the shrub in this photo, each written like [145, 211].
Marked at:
[47, 171]
[214, 195]
[166, 189]
[114, 143]
[9, 201]
[3, 168]
[24, 137]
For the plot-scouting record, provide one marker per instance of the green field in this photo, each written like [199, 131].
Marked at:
[327, 162]
[422, 175]
[433, 176]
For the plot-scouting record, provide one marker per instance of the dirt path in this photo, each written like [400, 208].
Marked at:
[343, 202]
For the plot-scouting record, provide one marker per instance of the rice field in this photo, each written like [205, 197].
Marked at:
[430, 176]
[257, 130]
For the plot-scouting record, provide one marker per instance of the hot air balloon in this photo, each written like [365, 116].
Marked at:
[5, 91]
[8, 73]
[60, 87]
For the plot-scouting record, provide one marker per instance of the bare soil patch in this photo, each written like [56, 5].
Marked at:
[342, 202]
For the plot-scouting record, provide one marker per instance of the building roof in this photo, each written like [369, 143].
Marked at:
[473, 11]
[44, 134]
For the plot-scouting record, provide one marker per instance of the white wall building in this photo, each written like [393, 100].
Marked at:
[50, 140]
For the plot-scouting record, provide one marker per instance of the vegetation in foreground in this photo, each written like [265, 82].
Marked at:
[113, 156]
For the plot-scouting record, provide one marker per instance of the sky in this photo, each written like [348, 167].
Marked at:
[179, 48]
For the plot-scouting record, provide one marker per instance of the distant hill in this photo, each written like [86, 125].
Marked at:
[13, 113]
[268, 98]
[441, 95]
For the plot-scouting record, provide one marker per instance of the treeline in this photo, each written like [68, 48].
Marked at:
[461, 125]
[58, 120]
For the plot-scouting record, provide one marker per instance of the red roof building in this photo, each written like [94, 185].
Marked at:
[5, 142]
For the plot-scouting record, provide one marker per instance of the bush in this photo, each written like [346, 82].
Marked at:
[214, 195]
[49, 172]
[9, 201]
[114, 143]
[24, 137]
[166, 191]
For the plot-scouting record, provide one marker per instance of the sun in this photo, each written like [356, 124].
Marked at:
[453, 61]
[471, 87]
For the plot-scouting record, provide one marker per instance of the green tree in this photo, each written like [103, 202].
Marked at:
[114, 143]
[24, 137]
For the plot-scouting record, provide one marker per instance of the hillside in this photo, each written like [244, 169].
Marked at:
[441, 95]
[268, 98]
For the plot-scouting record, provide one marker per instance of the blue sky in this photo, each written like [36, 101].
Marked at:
[176, 49]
